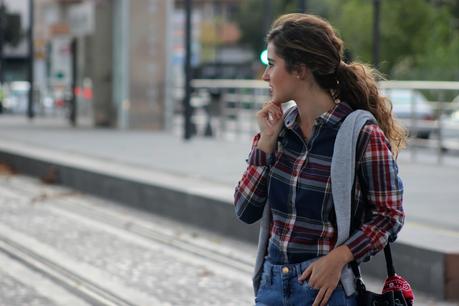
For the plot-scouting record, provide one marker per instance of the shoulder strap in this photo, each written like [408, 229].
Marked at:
[343, 169]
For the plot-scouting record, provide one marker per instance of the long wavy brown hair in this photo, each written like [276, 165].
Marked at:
[312, 41]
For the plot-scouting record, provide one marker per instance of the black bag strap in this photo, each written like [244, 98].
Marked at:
[389, 266]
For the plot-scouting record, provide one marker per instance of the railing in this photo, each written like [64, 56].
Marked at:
[226, 109]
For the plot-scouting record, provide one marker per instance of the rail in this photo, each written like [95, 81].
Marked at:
[226, 109]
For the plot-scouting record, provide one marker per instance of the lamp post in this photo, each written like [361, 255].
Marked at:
[30, 110]
[2, 38]
[376, 31]
[302, 6]
[267, 15]
[187, 68]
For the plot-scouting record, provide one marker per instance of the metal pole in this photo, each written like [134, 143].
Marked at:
[2, 37]
[187, 98]
[440, 127]
[30, 111]
[73, 102]
[267, 16]
[302, 6]
[121, 61]
[376, 31]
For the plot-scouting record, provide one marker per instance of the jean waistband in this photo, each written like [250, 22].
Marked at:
[287, 269]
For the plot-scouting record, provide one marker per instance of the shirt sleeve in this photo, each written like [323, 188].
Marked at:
[383, 190]
[251, 191]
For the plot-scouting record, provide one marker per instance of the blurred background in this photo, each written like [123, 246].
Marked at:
[122, 107]
[121, 64]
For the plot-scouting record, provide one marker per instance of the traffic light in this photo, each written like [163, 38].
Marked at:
[264, 57]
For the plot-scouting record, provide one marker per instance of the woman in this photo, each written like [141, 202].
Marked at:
[289, 166]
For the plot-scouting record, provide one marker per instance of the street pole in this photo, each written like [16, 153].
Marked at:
[376, 31]
[30, 111]
[2, 38]
[73, 101]
[187, 98]
[302, 6]
[267, 16]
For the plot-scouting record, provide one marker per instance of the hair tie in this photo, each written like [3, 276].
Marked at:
[342, 65]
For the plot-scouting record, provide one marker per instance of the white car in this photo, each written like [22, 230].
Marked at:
[16, 97]
[409, 105]
[450, 127]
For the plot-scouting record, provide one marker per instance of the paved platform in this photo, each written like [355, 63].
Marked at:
[106, 253]
[194, 182]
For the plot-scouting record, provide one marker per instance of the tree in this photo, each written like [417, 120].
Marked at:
[418, 41]
[251, 18]
[419, 38]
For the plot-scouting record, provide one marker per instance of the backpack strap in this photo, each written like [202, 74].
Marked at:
[342, 178]
[343, 169]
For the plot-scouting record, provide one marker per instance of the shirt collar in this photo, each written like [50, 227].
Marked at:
[332, 117]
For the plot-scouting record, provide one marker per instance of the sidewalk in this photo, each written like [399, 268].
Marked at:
[211, 168]
[426, 183]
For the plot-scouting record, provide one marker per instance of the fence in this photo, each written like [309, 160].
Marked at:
[226, 109]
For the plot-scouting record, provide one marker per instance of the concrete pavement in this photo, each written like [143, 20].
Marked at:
[134, 258]
[209, 169]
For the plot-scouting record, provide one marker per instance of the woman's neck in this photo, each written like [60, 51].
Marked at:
[311, 105]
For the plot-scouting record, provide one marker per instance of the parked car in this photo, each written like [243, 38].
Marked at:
[16, 97]
[403, 108]
[450, 131]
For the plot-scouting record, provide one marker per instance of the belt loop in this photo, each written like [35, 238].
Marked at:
[298, 269]
[304, 266]
[270, 275]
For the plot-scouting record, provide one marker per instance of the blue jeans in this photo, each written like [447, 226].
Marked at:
[279, 286]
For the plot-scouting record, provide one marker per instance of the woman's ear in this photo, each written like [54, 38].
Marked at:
[303, 72]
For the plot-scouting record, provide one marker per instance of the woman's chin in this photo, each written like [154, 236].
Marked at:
[278, 102]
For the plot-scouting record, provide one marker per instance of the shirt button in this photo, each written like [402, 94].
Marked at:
[285, 270]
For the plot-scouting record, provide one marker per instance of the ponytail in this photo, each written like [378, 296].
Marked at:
[356, 84]
[303, 39]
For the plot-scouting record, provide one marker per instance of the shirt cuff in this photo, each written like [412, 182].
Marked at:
[260, 158]
[360, 246]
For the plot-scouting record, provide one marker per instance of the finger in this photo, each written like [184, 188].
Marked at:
[306, 274]
[319, 297]
[275, 111]
[277, 106]
[270, 109]
[326, 297]
[273, 104]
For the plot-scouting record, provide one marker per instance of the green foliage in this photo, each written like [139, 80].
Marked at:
[419, 38]
[254, 20]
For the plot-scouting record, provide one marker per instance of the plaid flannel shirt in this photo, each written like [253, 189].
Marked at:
[295, 179]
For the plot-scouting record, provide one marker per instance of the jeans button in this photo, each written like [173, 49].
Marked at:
[285, 270]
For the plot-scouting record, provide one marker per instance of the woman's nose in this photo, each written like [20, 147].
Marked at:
[266, 75]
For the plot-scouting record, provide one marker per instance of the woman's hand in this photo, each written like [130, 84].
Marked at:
[270, 121]
[325, 273]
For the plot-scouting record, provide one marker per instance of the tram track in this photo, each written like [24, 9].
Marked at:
[74, 283]
[70, 202]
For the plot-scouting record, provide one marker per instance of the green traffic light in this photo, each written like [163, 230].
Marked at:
[264, 57]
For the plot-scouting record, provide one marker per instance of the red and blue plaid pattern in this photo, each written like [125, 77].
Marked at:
[296, 182]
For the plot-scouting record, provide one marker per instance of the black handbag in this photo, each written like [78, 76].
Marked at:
[399, 294]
